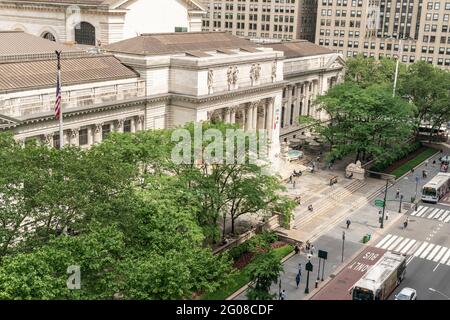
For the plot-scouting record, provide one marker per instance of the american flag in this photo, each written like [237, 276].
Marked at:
[58, 99]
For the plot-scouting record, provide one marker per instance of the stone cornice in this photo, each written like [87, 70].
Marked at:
[58, 7]
[151, 99]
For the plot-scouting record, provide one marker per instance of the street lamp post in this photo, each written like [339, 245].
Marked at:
[308, 267]
[396, 67]
[384, 204]
[343, 240]
[442, 294]
[400, 207]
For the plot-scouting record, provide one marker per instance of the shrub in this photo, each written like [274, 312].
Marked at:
[394, 154]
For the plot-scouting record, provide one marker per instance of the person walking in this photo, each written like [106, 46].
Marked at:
[283, 295]
[296, 248]
[405, 224]
[426, 163]
[387, 215]
[290, 179]
[348, 223]
[298, 278]
[312, 250]
[293, 184]
[397, 194]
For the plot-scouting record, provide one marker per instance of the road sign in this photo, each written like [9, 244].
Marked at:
[309, 266]
[323, 254]
[379, 203]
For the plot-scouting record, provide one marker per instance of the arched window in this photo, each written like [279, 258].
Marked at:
[85, 33]
[48, 36]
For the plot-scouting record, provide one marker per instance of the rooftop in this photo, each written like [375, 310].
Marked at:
[181, 42]
[298, 48]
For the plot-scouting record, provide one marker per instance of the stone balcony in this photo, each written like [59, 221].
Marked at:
[34, 105]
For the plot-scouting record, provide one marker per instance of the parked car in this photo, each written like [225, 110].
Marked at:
[406, 294]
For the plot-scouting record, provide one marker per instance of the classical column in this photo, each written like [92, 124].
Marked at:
[244, 117]
[90, 136]
[140, 126]
[49, 139]
[255, 116]
[133, 124]
[74, 137]
[233, 115]
[98, 132]
[119, 125]
[227, 112]
[269, 117]
[262, 123]
[249, 118]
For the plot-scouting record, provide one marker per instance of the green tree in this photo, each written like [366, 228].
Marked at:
[264, 271]
[428, 88]
[364, 120]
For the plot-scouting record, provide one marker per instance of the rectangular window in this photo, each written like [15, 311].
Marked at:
[83, 137]
[106, 129]
[181, 29]
[127, 126]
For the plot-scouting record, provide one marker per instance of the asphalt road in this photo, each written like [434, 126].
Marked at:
[426, 241]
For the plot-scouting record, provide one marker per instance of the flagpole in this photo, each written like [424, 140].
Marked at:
[61, 130]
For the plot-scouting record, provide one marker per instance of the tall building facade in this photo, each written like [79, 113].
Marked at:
[409, 29]
[99, 22]
[275, 19]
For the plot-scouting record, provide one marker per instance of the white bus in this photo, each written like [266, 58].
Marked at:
[436, 188]
[381, 279]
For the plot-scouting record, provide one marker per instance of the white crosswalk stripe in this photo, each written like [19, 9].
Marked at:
[440, 254]
[432, 213]
[405, 250]
[401, 245]
[421, 212]
[422, 247]
[433, 253]
[387, 244]
[386, 238]
[427, 251]
[445, 258]
[415, 248]
[444, 216]
[395, 243]
[419, 209]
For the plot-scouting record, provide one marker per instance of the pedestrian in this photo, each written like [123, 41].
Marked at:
[296, 249]
[397, 194]
[318, 159]
[434, 162]
[405, 224]
[293, 184]
[283, 295]
[426, 163]
[348, 223]
[310, 207]
[290, 179]
[387, 215]
[308, 245]
[298, 278]
[312, 250]
[412, 170]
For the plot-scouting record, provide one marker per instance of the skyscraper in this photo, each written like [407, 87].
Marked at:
[410, 29]
[268, 19]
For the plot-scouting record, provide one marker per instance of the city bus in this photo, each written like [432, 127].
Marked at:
[436, 188]
[381, 279]
[438, 134]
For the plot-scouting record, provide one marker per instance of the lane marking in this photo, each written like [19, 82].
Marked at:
[445, 258]
[444, 215]
[402, 244]
[395, 243]
[447, 220]
[409, 260]
[386, 238]
[387, 244]
[433, 213]
[408, 246]
[424, 209]
[427, 251]
[440, 254]
[436, 267]
[439, 214]
[418, 210]
[433, 253]
[422, 247]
